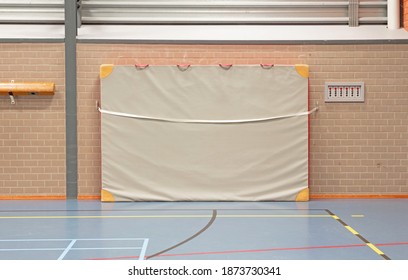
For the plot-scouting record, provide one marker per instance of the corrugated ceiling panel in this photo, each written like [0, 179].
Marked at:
[194, 11]
[227, 12]
[31, 11]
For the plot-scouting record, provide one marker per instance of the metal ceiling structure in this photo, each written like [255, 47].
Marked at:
[188, 12]
[32, 11]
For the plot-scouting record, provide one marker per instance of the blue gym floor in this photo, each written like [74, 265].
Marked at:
[369, 229]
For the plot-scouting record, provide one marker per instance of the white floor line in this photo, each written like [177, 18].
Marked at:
[67, 249]
[32, 249]
[144, 248]
[79, 239]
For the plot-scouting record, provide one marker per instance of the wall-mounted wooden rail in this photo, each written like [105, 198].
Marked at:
[13, 89]
[27, 88]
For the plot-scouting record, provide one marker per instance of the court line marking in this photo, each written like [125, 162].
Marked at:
[32, 249]
[392, 244]
[259, 250]
[375, 249]
[69, 239]
[67, 249]
[154, 210]
[144, 249]
[209, 224]
[105, 248]
[353, 231]
[71, 249]
[171, 216]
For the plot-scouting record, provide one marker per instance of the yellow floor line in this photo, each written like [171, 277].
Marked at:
[351, 230]
[164, 216]
[357, 216]
[378, 251]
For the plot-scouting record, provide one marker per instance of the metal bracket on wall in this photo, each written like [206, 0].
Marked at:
[79, 13]
[353, 13]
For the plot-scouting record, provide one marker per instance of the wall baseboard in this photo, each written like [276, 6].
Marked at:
[36, 197]
[357, 196]
[89, 197]
[312, 196]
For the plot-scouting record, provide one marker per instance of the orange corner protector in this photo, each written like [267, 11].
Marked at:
[106, 70]
[106, 196]
[303, 195]
[303, 70]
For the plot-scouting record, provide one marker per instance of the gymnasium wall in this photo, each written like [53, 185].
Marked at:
[355, 148]
[32, 132]
[405, 14]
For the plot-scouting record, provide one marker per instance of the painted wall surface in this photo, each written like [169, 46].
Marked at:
[405, 14]
[32, 132]
[357, 148]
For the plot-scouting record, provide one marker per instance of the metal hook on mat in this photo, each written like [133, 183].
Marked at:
[183, 67]
[266, 66]
[225, 66]
[141, 66]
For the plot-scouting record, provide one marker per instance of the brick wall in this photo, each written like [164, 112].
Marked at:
[32, 132]
[355, 148]
[405, 14]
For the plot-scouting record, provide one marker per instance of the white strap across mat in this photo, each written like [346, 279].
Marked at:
[134, 116]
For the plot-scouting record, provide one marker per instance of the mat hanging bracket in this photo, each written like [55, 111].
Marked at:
[11, 95]
[12, 100]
